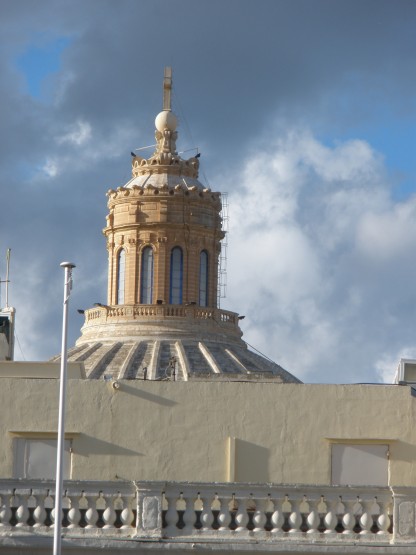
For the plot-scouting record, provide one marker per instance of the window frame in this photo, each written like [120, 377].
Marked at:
[203, 284]
[121, 274]
[176, 266]
[144, 294]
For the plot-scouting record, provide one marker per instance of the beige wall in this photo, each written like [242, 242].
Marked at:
[180, 430]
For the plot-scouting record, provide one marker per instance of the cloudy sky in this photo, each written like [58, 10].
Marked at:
[305, 114]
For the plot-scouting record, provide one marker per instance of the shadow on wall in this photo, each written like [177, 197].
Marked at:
[86, 445]
[251, 462]
[146, 395]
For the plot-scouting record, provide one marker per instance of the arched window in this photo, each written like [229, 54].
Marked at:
[203, 278]
[176, 276]
[146, 285]
[121, 270]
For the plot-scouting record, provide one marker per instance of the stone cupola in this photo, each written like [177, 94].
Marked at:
[164, 227]
[161, 320]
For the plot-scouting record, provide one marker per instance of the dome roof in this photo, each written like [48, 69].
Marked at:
[180, 360]
[158, 180]
[169, 342]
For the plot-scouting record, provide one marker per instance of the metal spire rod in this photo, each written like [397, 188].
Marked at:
[61, 424]
[167, 89]
[7, 275]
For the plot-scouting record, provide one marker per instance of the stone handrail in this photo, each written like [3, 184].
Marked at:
[86, 506]
[120, 313]
[209, 512]
[281, 512]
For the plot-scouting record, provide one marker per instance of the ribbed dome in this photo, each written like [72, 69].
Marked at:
[169, 342]
[175, 360]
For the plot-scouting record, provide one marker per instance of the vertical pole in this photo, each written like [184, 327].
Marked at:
[61, 424]
[7, 276]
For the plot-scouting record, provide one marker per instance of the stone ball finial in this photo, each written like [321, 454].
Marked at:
[166, 119]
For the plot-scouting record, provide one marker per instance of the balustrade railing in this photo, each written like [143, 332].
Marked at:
[304, 512]
[86, 507]
[204, 512]
[128, 312]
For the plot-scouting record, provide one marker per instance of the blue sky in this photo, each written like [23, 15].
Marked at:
[304, 112]
[41, 59]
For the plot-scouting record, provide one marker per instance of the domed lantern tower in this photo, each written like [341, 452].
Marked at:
[164, 228]
[161, 320]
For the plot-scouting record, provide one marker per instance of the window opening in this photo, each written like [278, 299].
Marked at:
[146, 286]
[121, 270]
[176, 276]
[203, 279]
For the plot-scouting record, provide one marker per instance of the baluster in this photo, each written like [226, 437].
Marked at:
[329, 511]
[250, 509]
[366, 519]
[208, 511]
[259, 517]
[91, 515]
[269, 507]
[127, 515]
[180, 509]
[5, 512]
[49, 504]
[295, 518]
[233, 507]
[198, 509]
[118, 506]
[66, 506]
[39, 513]
[109, 514]
[74, 514]
[22, 512]
[189, 516]
[277, 519]
[82, 507]
[383, 520]
[357, 511]
[31, 506]
[313, 519]
[348, 519]
[224, 516]
[14, 504]
[241, 509]
[100, 505]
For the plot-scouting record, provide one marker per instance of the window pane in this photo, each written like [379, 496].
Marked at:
[121, 265]
[146, 289]
[359, 465]
[36, 458]
[175, 296]
[203, 279]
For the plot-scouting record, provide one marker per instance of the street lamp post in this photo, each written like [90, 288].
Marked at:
[61, 424]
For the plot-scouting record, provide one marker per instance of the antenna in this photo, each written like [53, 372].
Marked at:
[167, 89]
[7, 275]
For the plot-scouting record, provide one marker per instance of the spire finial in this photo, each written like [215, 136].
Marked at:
[167, 88]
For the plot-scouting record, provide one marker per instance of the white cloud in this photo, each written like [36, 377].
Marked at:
[307, 222]
[50, 168]
[78, 134]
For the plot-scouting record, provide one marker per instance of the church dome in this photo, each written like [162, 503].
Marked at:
[162, 320]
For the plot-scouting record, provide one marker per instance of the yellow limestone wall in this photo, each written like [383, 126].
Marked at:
[181, 430]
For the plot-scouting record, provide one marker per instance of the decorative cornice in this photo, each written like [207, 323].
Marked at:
[135, 191]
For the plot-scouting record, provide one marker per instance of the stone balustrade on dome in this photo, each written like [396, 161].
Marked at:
[229, 512]
[120, 313]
